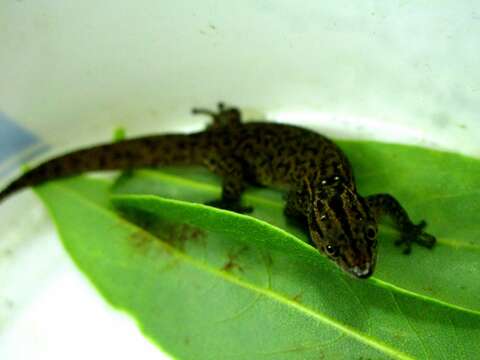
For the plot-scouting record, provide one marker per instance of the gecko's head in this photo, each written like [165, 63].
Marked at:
[342, 227]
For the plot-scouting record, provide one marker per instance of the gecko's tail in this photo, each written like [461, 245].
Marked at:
[10, 189]
[142, 152]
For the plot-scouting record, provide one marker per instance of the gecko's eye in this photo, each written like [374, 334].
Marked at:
[331, 250]
[371, 233]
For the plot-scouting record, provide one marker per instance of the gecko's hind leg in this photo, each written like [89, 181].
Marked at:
[233, 185]
[225, 116]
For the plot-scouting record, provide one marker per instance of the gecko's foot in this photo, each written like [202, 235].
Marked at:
[415, 234]
[234, 206]
[224, 116]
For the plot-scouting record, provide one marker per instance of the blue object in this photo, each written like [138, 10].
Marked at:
[17, 146]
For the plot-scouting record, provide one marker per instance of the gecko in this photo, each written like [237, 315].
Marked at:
[320, 187]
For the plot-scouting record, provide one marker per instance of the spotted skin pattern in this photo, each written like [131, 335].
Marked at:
[316, 175]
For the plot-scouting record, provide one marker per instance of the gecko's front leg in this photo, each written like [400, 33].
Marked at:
[386, 204]
[233, 183]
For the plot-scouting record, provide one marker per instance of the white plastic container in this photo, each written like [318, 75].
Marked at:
[71, 72]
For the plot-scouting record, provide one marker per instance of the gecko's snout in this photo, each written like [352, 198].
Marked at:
[362, 272]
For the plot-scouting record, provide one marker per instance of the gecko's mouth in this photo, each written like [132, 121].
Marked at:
[362, 272]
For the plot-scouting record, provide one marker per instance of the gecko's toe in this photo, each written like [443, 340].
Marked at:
[415, 234]
[421, 225]
[421, 237]
[406, 242]
[426, 240]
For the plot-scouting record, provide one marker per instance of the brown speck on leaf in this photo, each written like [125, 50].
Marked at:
[140, 240]
[174, 234]
[398, 337]
[267, 258]
[186, 340]
[232, 263]
[297, 298]
[179, 234]
[197, 233]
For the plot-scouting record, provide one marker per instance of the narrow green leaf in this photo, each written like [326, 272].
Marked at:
[442, 188]
[224, 285]
[205, 283]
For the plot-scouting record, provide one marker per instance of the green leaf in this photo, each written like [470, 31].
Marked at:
[442, 188]
[205, 283]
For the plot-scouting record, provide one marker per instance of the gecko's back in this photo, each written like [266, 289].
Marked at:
[284, 154]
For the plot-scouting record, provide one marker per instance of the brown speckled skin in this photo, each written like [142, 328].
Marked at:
[318, 178]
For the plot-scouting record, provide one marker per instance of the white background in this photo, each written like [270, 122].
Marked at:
[70, 71]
